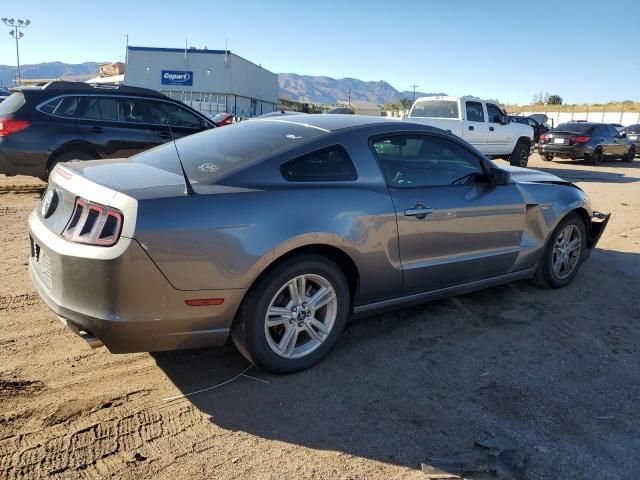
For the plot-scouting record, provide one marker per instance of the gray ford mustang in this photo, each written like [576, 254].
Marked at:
[276, 231]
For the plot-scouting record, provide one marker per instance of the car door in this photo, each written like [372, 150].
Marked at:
[453, 226]
[183, 122]
[619, 146]
[500, 137]
[115, 126]
[475, 128]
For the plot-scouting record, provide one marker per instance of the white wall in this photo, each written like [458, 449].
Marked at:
[213, 72]
[624, 118]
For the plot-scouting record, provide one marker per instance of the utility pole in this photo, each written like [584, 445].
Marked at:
[414, 93]
[16, 26]
[349, 97]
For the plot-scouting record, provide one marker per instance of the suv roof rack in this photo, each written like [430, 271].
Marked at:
[82, 86]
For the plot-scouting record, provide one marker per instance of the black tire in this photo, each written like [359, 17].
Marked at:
[520, 155]
[545, 275]
[66, 157]
[631, 154]
[248, 330]
[547, 158]
[596, 156]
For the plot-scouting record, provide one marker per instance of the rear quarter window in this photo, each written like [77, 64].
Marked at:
[61, 106]
[330, 164]
[12, 104]
[436, 109]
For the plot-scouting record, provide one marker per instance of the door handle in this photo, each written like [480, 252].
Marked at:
[491, 128]
[419, 211]
[471, 127]
[97, 129]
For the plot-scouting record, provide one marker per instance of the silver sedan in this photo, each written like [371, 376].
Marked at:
[278, 230]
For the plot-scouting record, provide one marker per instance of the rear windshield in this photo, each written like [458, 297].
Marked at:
[12, 103]
[435, 109]
[574, 127]
[211, 155]
[633, 127]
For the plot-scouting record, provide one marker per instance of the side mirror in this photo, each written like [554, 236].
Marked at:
[498, 176]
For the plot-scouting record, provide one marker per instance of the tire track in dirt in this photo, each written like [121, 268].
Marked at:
[95, 444]
[21, 300]
[23, 188]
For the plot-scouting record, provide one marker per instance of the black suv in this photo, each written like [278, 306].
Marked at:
[63, 121]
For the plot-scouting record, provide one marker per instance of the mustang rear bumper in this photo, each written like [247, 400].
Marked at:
[123, 302]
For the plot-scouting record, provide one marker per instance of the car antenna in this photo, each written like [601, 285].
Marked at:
[188, 189]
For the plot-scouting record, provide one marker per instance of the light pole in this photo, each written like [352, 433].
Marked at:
[414, 93]
[16, 26]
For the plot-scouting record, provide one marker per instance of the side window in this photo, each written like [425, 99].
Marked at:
[327, 165]
[162, 112]
[101, 108]
[132, 110]
[532, 123]
[62, 106]
[475, 112]
[436, 161]
[613, 131]
[494, 113]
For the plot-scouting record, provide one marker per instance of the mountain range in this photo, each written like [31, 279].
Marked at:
[303, 88]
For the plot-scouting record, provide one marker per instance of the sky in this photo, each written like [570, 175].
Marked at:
[586, 51]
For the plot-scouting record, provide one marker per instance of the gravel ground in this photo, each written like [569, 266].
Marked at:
[554, 372]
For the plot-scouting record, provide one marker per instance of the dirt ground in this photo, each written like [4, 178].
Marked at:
[555, 372]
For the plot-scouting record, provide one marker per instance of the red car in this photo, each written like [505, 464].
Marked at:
[223, 119]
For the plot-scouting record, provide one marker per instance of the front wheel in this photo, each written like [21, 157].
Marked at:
[630, 155]
[520, 155]
[563, 254]
[293, 315]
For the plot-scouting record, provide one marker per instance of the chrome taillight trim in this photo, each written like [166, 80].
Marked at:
[93, 236]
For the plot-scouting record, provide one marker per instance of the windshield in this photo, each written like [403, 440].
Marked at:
[435, 109]
[208, 156]
[12, 103]
[574, 127]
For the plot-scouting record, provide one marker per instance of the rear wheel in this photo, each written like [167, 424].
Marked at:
[520, 155]
[630, 154]
[293, 315]
[547, 158]
[596, 156]
[564, 253]
[66, 157]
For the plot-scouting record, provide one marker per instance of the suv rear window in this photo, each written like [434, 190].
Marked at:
[435, 109]
[61, 106]
[213, 154]
[12, 103]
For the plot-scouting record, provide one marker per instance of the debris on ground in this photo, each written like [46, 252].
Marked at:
[502, 459]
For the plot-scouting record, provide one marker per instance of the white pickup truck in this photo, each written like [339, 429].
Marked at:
[481, 123]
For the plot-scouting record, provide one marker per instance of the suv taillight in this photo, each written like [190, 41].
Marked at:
[93, 224]
[9, 127]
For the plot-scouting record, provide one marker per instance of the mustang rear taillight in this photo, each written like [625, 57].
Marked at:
[9, 127]
[578, 139]
[93, 224]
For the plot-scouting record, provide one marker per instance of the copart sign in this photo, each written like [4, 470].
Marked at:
[175, 77]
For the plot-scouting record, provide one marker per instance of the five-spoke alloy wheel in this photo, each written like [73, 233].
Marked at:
[293, 315]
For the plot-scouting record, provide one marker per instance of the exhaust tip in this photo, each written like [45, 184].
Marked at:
[92, 341]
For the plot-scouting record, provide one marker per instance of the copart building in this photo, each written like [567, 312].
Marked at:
[211, 81]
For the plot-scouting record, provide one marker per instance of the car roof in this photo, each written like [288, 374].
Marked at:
[330, 122]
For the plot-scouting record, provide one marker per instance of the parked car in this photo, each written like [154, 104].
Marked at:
[592, 142]
[287, 229]
[41, 126]
[632, 133]
[543, 119]
[483, 124]
[4, 94]
[617, 126]
[341, 111]
[538, 129]
[222, 119]
[280, 113]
